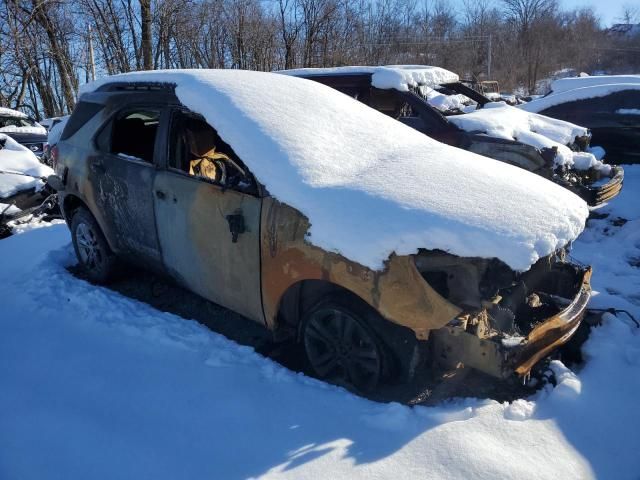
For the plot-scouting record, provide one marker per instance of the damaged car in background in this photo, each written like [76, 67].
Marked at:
[23, 187]
[24, 130]
[323, 231]
[435, 102]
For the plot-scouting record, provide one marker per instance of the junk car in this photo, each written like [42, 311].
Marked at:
[24, 130]
[609, 106]
[322, 232]
[436, 103]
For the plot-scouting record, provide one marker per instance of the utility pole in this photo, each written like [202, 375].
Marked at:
[489, 58]
[92, 64]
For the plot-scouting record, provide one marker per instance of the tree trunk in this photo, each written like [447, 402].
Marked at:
[145, 22]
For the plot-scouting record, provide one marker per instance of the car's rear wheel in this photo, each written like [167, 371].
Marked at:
[341, 347]
[96, 258]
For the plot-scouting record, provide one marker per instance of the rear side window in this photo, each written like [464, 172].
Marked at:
[131, 134]
[83, 112]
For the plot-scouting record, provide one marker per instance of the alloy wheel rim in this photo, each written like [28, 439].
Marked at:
[88, 246]
[341, 350]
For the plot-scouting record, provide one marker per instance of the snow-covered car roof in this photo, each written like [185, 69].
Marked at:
[399, 77]
[582, 93]
[564, 84]
[499, 120]
[15, 158]
[8, 112]
[370, 185]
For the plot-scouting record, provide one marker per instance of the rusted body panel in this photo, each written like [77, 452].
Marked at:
[398, 292]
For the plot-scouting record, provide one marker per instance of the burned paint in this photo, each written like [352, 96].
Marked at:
[398, 293]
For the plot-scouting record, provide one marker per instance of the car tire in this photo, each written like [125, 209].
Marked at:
[97, 260]
[340, 345]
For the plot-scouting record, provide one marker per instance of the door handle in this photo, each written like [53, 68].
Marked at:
[160, 194]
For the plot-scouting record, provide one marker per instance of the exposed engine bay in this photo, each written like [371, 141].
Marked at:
[499, 304]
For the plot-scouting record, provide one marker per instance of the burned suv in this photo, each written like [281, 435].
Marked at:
[297, 223]
[433, 101]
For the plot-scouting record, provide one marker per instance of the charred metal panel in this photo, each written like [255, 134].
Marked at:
[198, 247]
[122, 191]
[398, 292]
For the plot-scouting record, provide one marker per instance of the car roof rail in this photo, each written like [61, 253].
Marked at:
[137, 87]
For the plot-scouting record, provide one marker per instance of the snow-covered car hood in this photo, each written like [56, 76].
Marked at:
[499, 120]
[16, 158]
[370, 185]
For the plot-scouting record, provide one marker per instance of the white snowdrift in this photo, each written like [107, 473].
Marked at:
[16, 158]
[370, 185]
[399, 77]
[499, 120]
[582, 93]
[446, 103]
[571, 83]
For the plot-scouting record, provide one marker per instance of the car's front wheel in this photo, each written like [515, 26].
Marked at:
[341, 347]
[96, 258]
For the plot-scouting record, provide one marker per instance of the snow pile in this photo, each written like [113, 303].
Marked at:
[445, 103]
[37, 129]
[582, 93]
[399, 77]
[16, 158]
[97, 385]
[499, 120]
[8, 112]
[565, 84]
[366, 174]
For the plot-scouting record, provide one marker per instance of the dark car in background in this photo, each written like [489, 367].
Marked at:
[610, 110]
[413, 108]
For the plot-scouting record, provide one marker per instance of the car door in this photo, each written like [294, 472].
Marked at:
[123, 174]
[209, 230]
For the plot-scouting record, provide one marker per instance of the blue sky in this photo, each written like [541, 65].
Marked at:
[609, 11]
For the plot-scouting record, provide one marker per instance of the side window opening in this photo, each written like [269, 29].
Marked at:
[196, 149]
[132, 134]
[387, 102]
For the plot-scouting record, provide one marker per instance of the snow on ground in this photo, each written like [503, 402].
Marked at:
[366, 173]
[499, 120]
[18, 159]
[96, 385]
[582, 93]
[571, 83]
